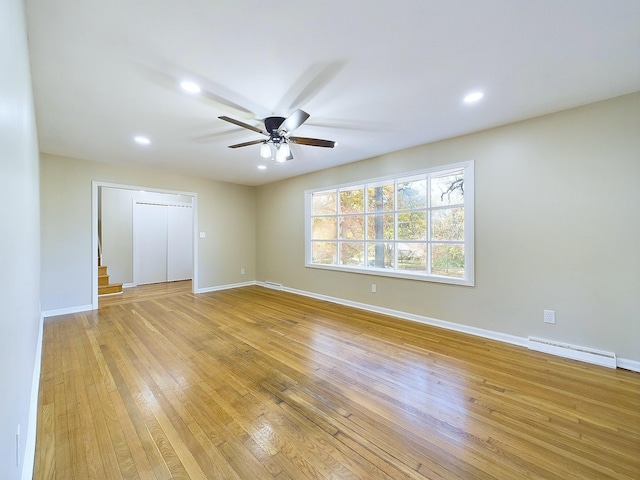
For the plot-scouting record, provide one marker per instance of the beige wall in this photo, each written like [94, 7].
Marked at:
[19, 247]
[226, 212]
[557, 227]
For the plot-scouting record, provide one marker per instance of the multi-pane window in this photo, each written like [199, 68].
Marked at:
[418, 225]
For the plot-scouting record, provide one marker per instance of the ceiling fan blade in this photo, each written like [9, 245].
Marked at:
[246, 144]
[293, 121]
[313, 81]
[169, 77]
[243, 125]
[314, 142]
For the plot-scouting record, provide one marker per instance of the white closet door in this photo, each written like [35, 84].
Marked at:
[180, 243]
[150, 230]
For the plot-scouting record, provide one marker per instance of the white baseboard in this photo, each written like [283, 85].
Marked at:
[479, 332]
[29, 456]
[627, 364]
[66, 311]
[225, 287]
[633, 365]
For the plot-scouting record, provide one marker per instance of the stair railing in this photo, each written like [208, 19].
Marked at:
[99, 251]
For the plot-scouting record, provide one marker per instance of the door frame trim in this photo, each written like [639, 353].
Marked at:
[94, 230]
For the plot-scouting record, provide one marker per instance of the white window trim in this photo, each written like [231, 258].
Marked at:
[469, 215]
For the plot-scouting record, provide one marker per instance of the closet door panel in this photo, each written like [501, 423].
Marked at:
[180, 243]
[150, 231]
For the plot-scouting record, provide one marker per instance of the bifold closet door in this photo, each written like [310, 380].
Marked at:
[179, 243]
[150, 251]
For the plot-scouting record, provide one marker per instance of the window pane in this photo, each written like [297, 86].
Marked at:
[324, 203]
[380, 198]
[412, 256]
[325, 253]
[447, 224]
[412, 226]
[352, 200]
[380, 254]
[352, 227]
[352, 253]
[447, 189]
[409, 226]
[325, 228]
[447, 260]
[412, 194]
[380, 227]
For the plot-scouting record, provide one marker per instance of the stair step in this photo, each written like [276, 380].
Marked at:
[111, 288]
[104, 287]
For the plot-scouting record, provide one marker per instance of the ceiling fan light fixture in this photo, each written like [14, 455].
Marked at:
[265, 150]
[277, 130]
[282, 153]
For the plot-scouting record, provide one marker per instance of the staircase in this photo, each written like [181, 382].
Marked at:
[104, 287]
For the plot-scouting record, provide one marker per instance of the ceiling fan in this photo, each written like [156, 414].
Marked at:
[278, 130]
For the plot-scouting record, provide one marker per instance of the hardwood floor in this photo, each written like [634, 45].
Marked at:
[253, 383]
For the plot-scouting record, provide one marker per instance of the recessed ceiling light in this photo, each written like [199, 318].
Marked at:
[473, 97]
[141, 140]
[262, 167]
[190, 87]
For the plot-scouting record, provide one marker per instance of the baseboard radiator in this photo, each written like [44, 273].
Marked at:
[273, 285]
[584, 354]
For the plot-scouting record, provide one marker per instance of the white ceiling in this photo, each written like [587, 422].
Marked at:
[376, 75]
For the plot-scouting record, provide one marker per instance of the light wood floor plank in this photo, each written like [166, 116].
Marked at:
[253, 383]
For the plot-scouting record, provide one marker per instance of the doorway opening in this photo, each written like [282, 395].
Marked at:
[122, 206]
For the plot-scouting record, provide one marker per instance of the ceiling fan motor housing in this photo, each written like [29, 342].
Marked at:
[272, 124]
[278, 130]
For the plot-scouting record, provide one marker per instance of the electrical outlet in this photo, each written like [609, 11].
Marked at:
[549, 316]
[242, 271]
[373, 288]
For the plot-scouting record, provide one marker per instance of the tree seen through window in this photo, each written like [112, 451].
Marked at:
[413, 224]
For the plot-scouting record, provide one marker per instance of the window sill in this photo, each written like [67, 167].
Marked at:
[395, 274]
